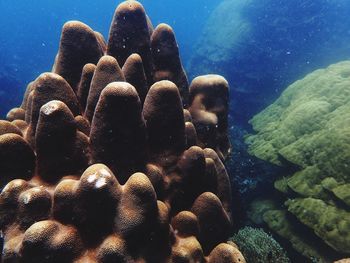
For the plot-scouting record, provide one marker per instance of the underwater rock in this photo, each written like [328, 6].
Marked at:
[308, 127]
[100, 170]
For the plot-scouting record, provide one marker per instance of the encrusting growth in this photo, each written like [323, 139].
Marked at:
[116, 171]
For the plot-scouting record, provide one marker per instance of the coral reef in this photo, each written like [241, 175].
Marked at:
[307, 128]
[103, 170]
[257, 246]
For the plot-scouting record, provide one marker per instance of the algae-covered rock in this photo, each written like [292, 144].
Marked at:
[308, 127]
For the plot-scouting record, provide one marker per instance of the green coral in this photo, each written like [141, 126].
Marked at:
[328, 222]
[259, 247]
[307, 245]
[340, 191]
[309, 126]
[282, 185]
[257, 208]
[343, 193]
[310, 114]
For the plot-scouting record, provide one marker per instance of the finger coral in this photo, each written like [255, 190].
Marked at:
[98, 169]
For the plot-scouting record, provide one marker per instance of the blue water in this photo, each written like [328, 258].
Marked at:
[30, 32]
[276, 43]
[288, 40]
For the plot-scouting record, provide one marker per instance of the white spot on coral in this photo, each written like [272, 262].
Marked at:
[105, 173]
[92, 178]
[26, 199]
[49, 108]
[100, 182]
[37, 190]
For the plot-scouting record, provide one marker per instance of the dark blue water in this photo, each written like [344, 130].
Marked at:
[281, 41]
[30, 32]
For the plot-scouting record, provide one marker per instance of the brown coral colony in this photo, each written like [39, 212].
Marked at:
[116, 171]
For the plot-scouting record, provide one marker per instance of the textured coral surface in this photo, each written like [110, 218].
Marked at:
[308, 127]
[258, 246]
[113, 157]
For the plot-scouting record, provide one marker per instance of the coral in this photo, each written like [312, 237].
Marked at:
[257, 209]
[257, 246]
[167, 64]
[307, 127]
[301, 238]
[103, 170]
[328, 222]
[209, 109]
